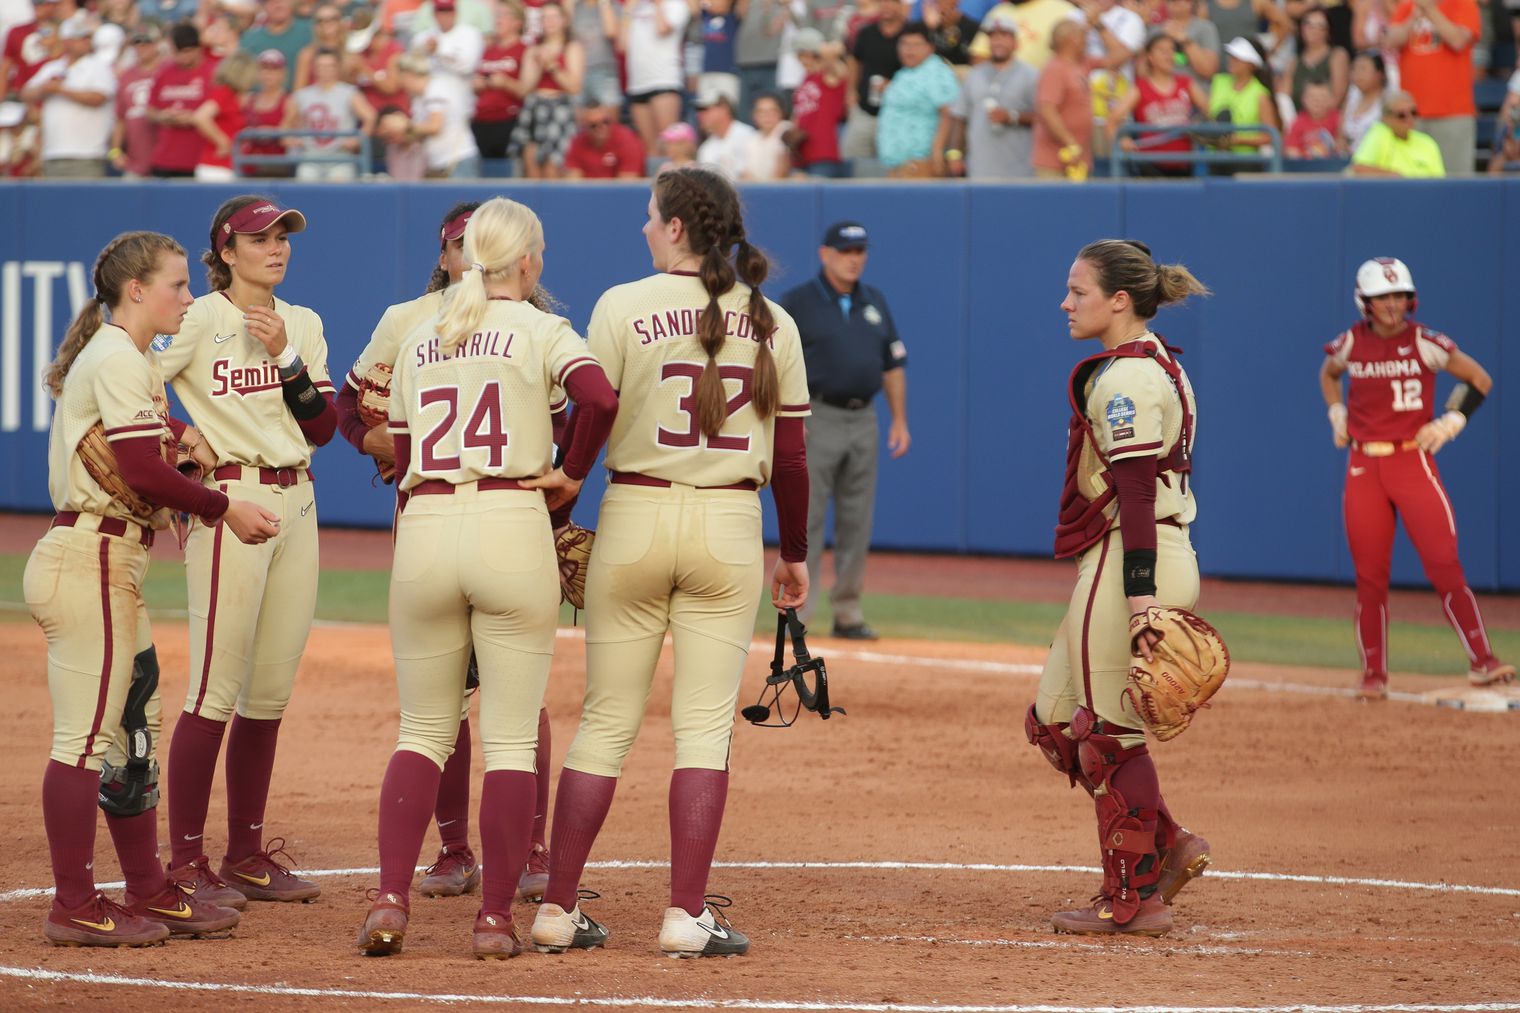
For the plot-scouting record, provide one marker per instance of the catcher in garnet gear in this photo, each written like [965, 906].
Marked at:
[1125, 511]
[83, 585]
[363, 409]
[1387, 419]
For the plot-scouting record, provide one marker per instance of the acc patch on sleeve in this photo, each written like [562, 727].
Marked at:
[1121, 416]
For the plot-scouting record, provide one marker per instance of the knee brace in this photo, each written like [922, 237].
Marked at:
[1058, 748]
[1126, 835]
[133, 788]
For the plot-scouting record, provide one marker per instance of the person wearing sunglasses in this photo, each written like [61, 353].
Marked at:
[1395, 148]
[604, 148]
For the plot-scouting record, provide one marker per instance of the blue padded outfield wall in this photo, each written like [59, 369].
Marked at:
[974, 276]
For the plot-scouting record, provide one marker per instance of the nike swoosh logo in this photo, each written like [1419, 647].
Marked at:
[255, 826]
[719, 932]
[106, 926]
[1106, 914]
[304, 511]
[447, 823]
[193, 837]
[1407, 350]
[223, 337]
[1358, 471]
[580, 922]
[255, 880]
[183, 911]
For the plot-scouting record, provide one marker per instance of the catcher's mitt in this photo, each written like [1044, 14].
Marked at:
[573, 546]
[375, 395]
[1190, 665]
[99, 461]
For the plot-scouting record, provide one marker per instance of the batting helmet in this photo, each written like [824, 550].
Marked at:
[1383, 276]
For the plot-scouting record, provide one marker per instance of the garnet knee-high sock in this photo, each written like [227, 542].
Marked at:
[250, 765]
[192, 766]
[697, 798]
[578, 814]
[1466, 618]
[407, 797]
[506, 835]
[1137, 782]
[68, 815]
[136, 840]
[541, 758]
[453, 809]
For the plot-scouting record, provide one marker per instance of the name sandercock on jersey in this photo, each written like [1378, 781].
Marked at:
[480, 345]
[229, 379]
[682, 323]
[1385, 368]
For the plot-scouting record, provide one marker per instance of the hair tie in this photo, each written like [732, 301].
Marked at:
[477, 266]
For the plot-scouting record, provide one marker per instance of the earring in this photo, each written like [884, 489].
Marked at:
[137, 298]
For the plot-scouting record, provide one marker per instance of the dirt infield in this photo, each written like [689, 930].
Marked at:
[930, 768]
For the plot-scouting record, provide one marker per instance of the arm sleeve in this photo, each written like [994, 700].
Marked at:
[789, 487]
[319, 428]
[349, 424]
[595, 399]
[1135, 484]
[151, 477]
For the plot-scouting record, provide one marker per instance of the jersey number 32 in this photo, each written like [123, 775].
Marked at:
[691, 435]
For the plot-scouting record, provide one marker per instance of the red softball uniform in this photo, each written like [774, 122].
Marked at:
[1391, 381]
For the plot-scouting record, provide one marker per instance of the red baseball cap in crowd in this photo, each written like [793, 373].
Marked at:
[443, 6]
[255, 218]
[271, 58]
[454, 227]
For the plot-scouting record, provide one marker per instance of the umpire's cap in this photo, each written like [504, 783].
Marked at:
[845, 236]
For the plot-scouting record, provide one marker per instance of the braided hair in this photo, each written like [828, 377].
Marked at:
[709, 209]
[131, 255]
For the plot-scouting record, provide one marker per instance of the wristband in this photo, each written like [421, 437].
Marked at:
[1464, 399]
[1454, 422]
[1337, 414]
[287, 358]
[954, 155]
[1139, 573]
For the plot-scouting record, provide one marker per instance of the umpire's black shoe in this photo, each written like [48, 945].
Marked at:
[858, 632]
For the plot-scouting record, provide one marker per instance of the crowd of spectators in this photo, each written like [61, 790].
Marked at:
[765, 89]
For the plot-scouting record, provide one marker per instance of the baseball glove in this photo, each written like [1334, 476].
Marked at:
[573, 546]
[1190, 665]
[375, 395]
[99, 461]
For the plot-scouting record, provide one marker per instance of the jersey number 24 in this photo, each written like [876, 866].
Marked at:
[485, 430]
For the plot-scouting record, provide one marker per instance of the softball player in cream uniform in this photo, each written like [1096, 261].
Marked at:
[454, 871]
[1125, 511]
[475, 566]
[251, 370]
[713, 391]
[83, 584]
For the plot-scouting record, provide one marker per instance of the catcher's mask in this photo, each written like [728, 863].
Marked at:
[815, 697]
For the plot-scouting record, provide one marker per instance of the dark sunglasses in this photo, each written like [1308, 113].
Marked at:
[814, 696]
[1402, 114]
[594, 124]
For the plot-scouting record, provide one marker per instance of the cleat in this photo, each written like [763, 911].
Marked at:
[101, 922]
[556, 930]
[453, 874]
[860, 631]
[261, 877]
[535, 876]
[1491, 673]
[184, 913]
[197, 879]
[385, 926]
[1153, 919]
[1374, 686]
[1183, 862]
[495, 937]
[709, 935]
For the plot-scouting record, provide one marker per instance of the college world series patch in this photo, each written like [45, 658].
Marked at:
[1121, 416]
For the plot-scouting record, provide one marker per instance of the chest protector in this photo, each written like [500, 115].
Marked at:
[1082, 521]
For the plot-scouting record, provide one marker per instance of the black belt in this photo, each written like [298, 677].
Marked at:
[849, 404]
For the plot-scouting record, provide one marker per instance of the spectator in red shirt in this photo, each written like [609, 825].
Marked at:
[604, 148]
[29, 46]
[265, 110]
[1434, 39]
[819, 105]
[499, 87]
[132, 137]
[178, 91]
[1316, 130]
[221, 118]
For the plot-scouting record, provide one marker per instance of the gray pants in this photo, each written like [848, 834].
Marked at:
[859, 139]
[74, 168]
[1457, 137]
[842, 452]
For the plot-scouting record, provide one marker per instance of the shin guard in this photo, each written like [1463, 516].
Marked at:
[1126, 834]
[1058, 748]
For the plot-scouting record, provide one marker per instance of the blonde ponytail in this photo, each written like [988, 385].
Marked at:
[500, 233]
[1174, 283]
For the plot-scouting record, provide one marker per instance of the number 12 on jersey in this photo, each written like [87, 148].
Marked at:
[442, 448]
[1408, 395]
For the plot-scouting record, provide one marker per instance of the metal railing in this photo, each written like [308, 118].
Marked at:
[361, 160]
[1200, 154]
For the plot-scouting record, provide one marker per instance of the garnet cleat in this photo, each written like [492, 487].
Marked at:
[535, 876]
[454, 873]
[197, 879]
[385, 926]
[1153, 919]
[1374, 686]
[261, 876]
[1183, 862]
[183, 912]
[1491, 673]
[101, 922]
[495, 937]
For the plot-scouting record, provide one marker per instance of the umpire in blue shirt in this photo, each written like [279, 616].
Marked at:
[852, 351]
